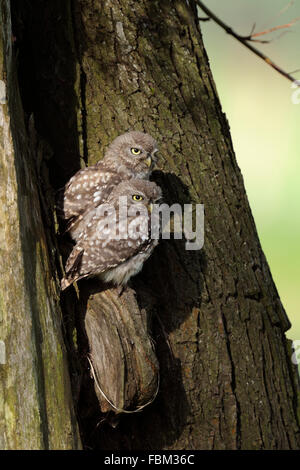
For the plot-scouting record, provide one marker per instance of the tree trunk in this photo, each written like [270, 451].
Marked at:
[89, 71]
[36, 407]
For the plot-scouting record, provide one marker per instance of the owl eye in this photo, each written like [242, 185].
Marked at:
[137, 197]
[135, 151]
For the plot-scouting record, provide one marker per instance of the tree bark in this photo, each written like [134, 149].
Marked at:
[36, 406]
[89, 71]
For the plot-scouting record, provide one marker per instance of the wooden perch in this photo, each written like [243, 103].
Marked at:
[122, 358]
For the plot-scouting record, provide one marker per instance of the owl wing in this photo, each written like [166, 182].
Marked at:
[87, 186]
[87, 189]
[94, 255]
[72, 267]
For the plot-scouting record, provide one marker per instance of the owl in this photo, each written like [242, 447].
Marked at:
[117, 239]
[131, 155]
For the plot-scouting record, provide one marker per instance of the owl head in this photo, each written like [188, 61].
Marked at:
[135, 151]
[137, 192]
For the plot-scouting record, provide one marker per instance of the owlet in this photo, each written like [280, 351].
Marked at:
[131, 155]
[119, 237]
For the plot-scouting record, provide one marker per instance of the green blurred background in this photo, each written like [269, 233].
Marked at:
[265, 128]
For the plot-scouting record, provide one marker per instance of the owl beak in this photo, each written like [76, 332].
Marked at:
[150, 207]
[149, 161]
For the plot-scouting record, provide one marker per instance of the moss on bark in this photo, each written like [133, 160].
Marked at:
[36, 408]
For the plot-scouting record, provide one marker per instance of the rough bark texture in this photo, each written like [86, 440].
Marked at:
[90, 71]
[36, 406]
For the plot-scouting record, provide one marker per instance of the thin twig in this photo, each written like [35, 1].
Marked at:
[267, 41]
[244, 41]
[275, 28]
[280, 13]
[252, 30]
[284, 9]
[295, 71]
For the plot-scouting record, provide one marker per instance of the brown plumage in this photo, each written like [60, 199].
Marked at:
[131, 155]
[116, 242]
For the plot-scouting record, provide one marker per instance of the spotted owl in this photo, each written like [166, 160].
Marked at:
[131, 155]
[117, 239]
